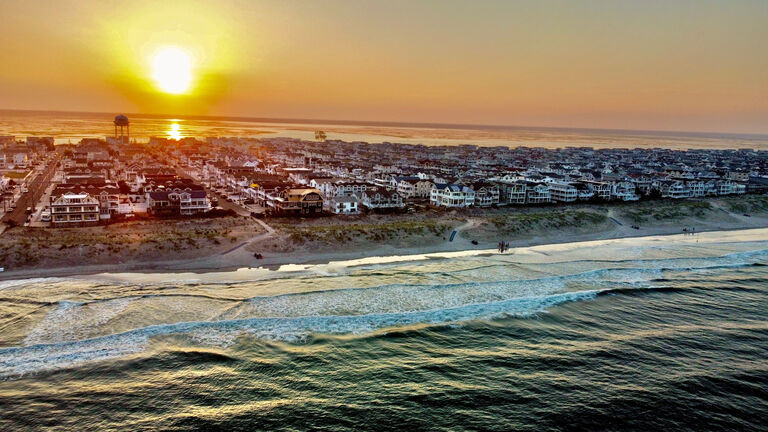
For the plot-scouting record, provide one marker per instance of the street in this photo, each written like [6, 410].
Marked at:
[36, 189]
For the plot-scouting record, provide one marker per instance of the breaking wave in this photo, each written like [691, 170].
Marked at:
[72, 333]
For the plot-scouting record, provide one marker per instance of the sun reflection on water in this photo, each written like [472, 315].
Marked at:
[175, 131]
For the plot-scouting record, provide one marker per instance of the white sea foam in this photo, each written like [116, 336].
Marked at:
[18, 361]
[16, 283]
[378, 294]
[71, 320]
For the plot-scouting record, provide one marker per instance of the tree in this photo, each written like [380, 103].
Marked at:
[320, 135]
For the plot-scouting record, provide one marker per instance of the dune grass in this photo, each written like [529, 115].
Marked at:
[666, 210]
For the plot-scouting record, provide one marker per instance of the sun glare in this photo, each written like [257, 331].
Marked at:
[172, 70]
[174, 132]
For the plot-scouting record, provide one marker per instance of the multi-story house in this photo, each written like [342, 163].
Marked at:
[74, 209]
[625, 191]
[585, 192]
[514, 192]
[486, 194]
[295, 201]
[412, 187]
[602, 190]
[728, 187]
[537, 193]
[697, 187]
[452, 195]
[376, 198]
[563, 192]
[342, 204]
[675, 189]
[177, 202]
[193, 202]
[348, 188]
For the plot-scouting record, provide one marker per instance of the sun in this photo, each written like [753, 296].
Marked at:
[172, 70]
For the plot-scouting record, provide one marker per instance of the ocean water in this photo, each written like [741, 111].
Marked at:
[667, 332]
[68, 127]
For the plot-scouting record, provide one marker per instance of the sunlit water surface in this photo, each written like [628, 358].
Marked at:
[660, 332]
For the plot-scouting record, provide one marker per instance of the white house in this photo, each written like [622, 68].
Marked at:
[348, 188]
[675, 189]
[624, 191]
[381, 198]
[452, 195]
[412, 187]
[342, 204]
[74, 209]
[563, 192]
[486, 194]
[728, 187]
[538, 193]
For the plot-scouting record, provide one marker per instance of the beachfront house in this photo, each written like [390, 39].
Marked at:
[412, 187]
[193, 202]
[177, 202]
[342, 204]
[601, 190]
[728, 187]
[486, 194]
[698, 188]
[625, 191]
[72, 209]
[563, 192]
[451, 195]
[380, 198]
[295, 201]
[674, 189]
[512, 192]
[538, 193]
[585, 193]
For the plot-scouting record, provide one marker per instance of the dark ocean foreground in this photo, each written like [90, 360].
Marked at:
[672, 341]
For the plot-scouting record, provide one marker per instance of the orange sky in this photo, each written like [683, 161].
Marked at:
[679, 65]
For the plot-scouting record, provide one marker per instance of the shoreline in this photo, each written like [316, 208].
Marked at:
[217, 263]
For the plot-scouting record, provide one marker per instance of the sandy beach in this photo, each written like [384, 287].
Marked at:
[230, 243]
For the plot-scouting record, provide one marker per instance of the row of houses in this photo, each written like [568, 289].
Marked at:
[286, 193]
[16, 154]
[95, 184]
[281, 173]
[289, 199]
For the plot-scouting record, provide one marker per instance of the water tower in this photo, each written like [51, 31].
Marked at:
[122, 122]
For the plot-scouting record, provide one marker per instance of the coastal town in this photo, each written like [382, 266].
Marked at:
[100, 181]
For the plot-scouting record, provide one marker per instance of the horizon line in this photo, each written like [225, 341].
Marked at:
[388, 123]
